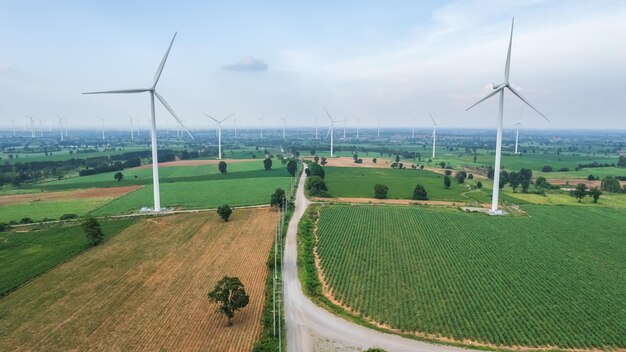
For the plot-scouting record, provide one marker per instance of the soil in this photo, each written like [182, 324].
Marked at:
[112, 192]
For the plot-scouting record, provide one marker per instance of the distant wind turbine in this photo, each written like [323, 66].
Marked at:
[435, 124]
[500, 89]
[219, 133]
[102, 125]
[379, 127]
[357, 127]
[153, 129]
[284, 125]
[13, 123]
[261, 126]
[32, 124]
[413, 126]
[60, 125]
[331, 131]
[344, 128]
[132, 133]
[517, 125]
[316, 126]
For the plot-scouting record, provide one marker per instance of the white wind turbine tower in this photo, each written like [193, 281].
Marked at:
[435, 124]
[13, 123]
[500, 89]
[153, 129]
[413, 126]
[261, 126]
[344, 128]
[517, 125]
[32, 124]
[219, 133]
[316, 126]
[101, 125]
[60, 125]
[132, 133]
[357, 127]
[235, 125]
[331, 131]
[40, 127]
[284, 125]
[379, 127]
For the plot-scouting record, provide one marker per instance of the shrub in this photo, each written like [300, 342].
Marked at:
[479, 184]
[224, 212]
[380, 191]
[222, 166]
[26, 221]
[68, 216]
[419, 193]
[546, 168]
[460, 176]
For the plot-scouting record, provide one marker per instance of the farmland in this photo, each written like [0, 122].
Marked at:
[555, 278]
[26, 255]
[146, 289]
[359, 183]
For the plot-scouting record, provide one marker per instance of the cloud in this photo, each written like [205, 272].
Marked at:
[247, 63]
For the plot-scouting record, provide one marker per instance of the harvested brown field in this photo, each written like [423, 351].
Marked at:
[349, 162]
[146, 289]
[196, 162]
[112, 192]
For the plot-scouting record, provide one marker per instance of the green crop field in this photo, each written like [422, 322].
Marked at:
[143, 176]
[200, 194]
[65, 155]
[40, 210]
[25, 255]
[554, 278]
[356, 182]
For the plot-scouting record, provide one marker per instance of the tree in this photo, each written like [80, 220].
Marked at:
[224, 212]
[419, 193]
[546, 168]
[316, 186]
[92, 229]
[355, 157]
[595, 193]
[374, 160]
[621, 162]
[231, 295]
[397, 158]
[312, 151]
[479, 185]
[278, 198]
[118, 176]
[611, 184]
[460, 176]
[323, 160]
[292, 167]
[267, 164]
[580, 192]
[442, 164]
[514, 180]
[380, 191]
[316, 159]
[446, 181]
[222, 167]
[316, 170]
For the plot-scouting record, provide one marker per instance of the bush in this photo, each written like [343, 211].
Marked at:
[546, 168]
[446, 182]
[3, 226]
[222, 166]
[68, 216]
[26, 221]
[479, 184]
[380, 191]
[460, 176]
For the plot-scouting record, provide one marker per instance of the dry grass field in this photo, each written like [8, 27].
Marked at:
[146, 289]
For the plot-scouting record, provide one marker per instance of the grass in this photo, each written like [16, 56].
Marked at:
[200, 194]
[143, 176]
[65, 155]
[555, 278]
[39, 210]
[611, 200]
[26, 255]
[348, 182]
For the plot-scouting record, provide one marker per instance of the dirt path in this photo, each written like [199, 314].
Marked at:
[396, 201]
[196, 162]
[146, 289]
[111, 192]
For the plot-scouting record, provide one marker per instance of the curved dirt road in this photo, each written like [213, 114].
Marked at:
[311, 328]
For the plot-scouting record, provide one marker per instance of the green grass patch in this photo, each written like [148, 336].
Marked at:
[39, 210]
[554, 278]
[26, 255]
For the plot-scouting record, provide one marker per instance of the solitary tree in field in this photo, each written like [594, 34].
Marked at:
[446, 182]
[374, 160]
[278, 198]
[580, 192]
[621, 162]
[231, 295]
[479, 184]
[380, 191]
[118, 176]
[419, 193]
[292, 167]
[461, 176]
[92, 230]
[224, 212]
[222, 167]
[595, 193]
[267, 164]
[323, 161]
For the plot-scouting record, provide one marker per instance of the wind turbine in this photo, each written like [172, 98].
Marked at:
[40, 128]
[284, 125]
[357, 127]
[153, 129]
[413, 126]
[435, 124]
[499, 89]
[32, 128]
[219, 133]
[517, 124]
[13, 123]
[102, 125]
[316, 126]
[261, 126]
[61, 125]
[235, 125]
[379, 127]
[132, 134]
[344, 128]
[331, 131]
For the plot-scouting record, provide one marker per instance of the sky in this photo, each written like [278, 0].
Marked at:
[393, 60]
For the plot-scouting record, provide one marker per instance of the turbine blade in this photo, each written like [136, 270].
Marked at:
[487, 97]
[169, 108]
[432, 118]
[507, 68]
[211, 117]
[160, 69]
[328, 133]
[227, 117]
[121, 91]
[330, 118]
[527, 103]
